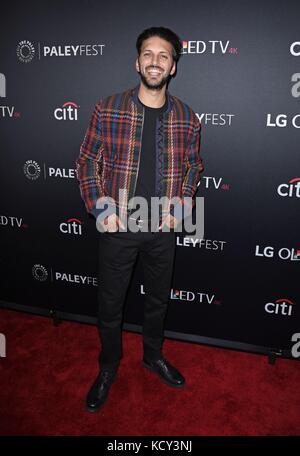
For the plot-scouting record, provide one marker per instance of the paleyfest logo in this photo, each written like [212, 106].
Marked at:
[26, 50]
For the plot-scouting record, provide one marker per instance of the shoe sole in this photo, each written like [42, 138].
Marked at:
[162, 379]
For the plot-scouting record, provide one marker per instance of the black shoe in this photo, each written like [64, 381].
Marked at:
[167, 373]
[98, 393]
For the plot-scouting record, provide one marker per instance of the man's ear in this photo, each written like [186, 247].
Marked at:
[173, 69]
[137, 65]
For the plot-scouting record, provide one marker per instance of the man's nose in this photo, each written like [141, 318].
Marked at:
[155, 60]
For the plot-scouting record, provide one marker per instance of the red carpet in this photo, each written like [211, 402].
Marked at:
[48, 370]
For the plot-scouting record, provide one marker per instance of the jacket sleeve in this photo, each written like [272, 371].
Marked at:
[89, 164]
[193, 168]
[193, 163]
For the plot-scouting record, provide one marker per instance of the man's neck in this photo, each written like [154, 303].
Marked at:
[152, 98]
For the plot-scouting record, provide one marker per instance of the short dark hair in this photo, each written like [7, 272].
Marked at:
[163, 33]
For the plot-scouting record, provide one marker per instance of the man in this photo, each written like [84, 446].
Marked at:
[146, 143]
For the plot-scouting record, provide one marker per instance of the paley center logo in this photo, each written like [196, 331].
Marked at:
[282, 306]
[291, 189]
[32, 170]
[210, 47]
[71, 226]
[283, 254]
[68, 111]
[40, 273]
[26, 51]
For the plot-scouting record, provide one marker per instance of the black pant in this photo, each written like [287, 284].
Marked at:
[117, 255]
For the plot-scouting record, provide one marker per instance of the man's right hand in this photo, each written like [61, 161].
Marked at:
[111, 223]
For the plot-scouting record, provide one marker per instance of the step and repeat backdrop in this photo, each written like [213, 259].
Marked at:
[240, 73]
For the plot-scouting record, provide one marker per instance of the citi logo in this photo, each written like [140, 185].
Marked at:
[281, 306]
[283, 254]
[291, 189]
[68, 111]
[213, 182]
[71, 226]
[2, 86]
[282, 120]
[211, 47]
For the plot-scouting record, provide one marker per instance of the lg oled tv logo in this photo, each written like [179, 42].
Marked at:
[291, 189]
[282, 306]
[68, 111]
[190, 296]
[12, 221]
[283, 120]
[209, 47]
[283, 254]
[215, 183]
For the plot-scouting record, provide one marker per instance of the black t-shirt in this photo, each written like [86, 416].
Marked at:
[145, 186]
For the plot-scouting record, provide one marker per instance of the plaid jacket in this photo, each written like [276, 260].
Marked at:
[110, 153]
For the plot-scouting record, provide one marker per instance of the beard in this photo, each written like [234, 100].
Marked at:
[155, 85]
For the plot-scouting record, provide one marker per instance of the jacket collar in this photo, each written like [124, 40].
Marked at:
[135, 98]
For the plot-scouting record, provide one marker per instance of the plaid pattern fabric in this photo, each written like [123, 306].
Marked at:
[110, 153]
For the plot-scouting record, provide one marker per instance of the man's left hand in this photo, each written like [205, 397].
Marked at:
[170, 221]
